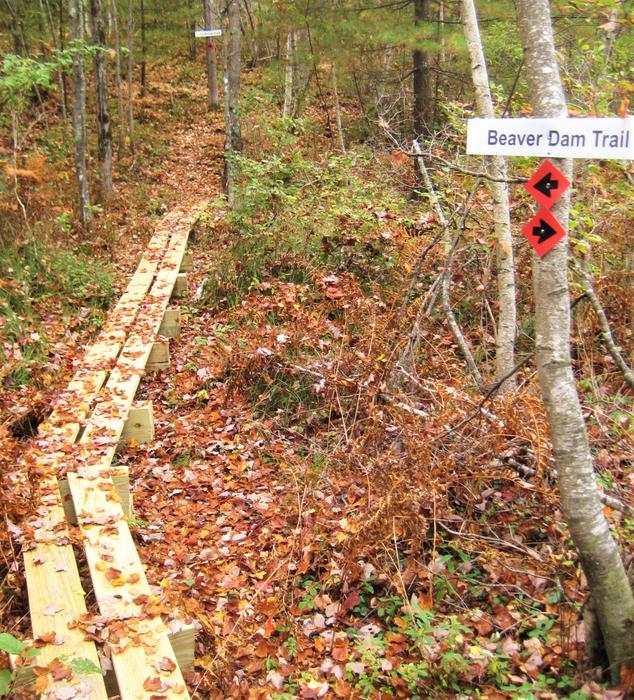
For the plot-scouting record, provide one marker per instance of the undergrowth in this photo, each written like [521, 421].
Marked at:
[296, 216]
[37, 276]
[426, 565]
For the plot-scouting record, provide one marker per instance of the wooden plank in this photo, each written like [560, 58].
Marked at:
[55, 599]
[121, 590]
[101, 518]
[120, 478]
[182, 643]
[54, 587]
[171, 324]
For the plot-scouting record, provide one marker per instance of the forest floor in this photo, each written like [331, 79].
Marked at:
[329, 536]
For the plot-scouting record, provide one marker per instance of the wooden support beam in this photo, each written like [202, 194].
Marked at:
[180, 286]
[182, 643]
[139, 425]
[187, 263]
[159, 356]
[171, 324]
[121, 481]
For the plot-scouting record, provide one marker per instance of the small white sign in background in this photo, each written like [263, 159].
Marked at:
[199, 33]
[577, 137]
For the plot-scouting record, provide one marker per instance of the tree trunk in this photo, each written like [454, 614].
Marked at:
[287, 109]
[190, 24]
[104, 127]
[60, 29]
[143, 51]
[76, 21]
[17, 28]
[131, 73]
[117, 48]
[60, 73]
[212, 66]
[496, 169]
[423, 85]
[342, 143]
[590, 531]
[231, 77]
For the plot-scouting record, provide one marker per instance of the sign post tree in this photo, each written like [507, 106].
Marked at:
[600, 558]
[553, 134]
[210, 53]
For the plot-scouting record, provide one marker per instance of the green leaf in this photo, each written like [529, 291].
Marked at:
[10, 644]
[5, 681]
[84, 667]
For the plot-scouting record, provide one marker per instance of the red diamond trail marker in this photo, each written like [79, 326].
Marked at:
[543, 231]
[547, 184]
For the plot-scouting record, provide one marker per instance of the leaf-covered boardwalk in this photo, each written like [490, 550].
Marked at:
[73, 456]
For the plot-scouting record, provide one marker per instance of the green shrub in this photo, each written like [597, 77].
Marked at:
[295, 216]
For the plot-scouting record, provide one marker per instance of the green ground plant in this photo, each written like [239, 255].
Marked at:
[36, 274]
[297, 215]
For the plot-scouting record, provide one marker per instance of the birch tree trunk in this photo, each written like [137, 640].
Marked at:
[497, 170]
[212, 64]
[131, 73]
[590, 531]
[287, 109]
[104, 127]
[231, 78]
[342, 143]
[114, 13]
[76, 22]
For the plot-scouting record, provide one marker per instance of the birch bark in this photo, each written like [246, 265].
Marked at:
[287, 109]
[335, 92]
[497, 170]
[76, 22]
[599, 554]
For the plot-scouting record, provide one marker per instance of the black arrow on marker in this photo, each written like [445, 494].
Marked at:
[544, 231]
[546, 184]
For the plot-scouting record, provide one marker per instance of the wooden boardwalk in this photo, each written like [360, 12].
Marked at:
[74, 452]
